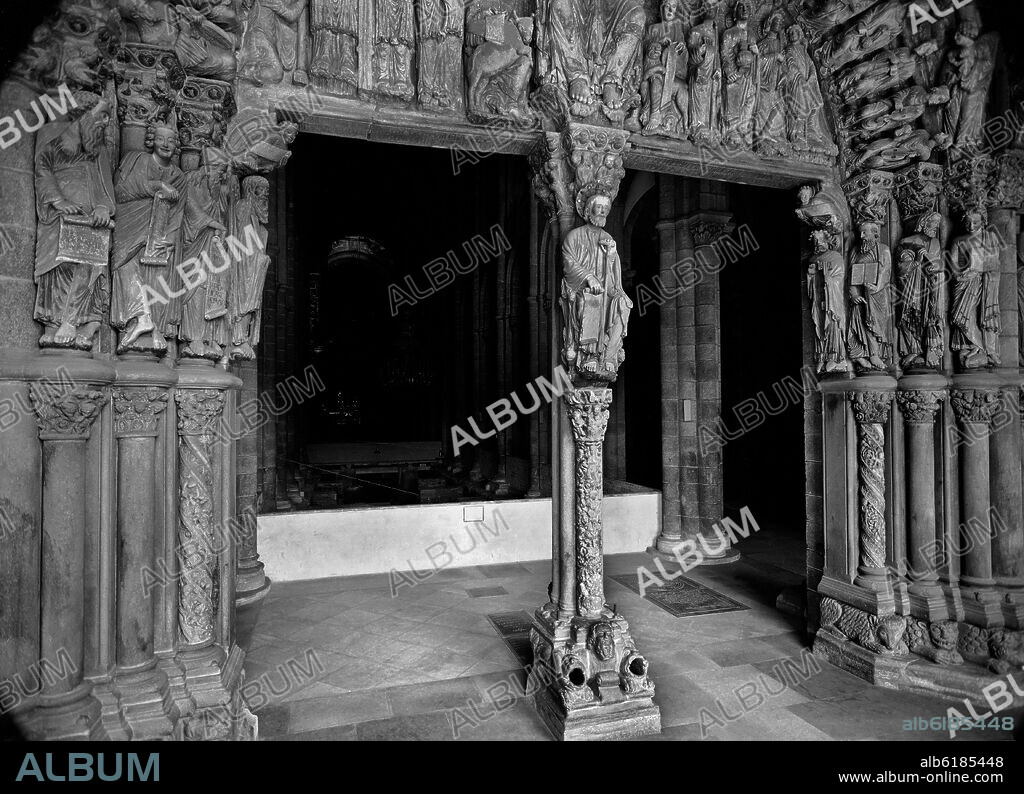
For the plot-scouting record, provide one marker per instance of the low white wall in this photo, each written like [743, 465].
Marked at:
[324, 543]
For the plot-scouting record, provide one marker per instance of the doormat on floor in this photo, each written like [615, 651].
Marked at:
[682, 597]
[514, 629]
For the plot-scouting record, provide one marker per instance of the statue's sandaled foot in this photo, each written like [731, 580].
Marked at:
[141, 325]
[159, 342]
[65, 334]
[612, 96]
[579, 91]
[214, 351]
[877, 363]
[194, 350]
[46, 340]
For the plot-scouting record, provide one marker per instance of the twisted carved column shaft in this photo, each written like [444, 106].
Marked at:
[588, 415]
[199, 411]
[871, 410]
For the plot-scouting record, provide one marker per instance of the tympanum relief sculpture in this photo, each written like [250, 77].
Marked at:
[394, 48]
[75, 208]
[590, 52]
[664, 90]
[440, 69]
[968, 73]
[705, 82]
[500, 62]
[740, 65]
[335, 40]
[274, 44]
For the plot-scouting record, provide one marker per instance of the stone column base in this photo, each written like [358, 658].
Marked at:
[910, 673]
[214, 680]
[251, 585]
[665, 546]
[72, 716]
[591, 681]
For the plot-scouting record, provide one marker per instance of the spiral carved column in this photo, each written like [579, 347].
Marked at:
[871, 411]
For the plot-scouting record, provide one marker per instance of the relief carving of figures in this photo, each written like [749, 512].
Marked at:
[968, 73]
[906, 146]
[664, 91]
[770, 130]
[204, 303]
[440, 62]
[591, 50]
[202, 33]
[805, 123]
[500, 63]
[335, 31]
[922, 300]
[903, 108]
[149, 188]
[705, 82]
[595, 309]
[274, 44]
[394, 47]
[975, 306]
[877, 76]
[258, 142]
[249, 270]
[740, 65]
[870, 342]
[75, 208]
[874, 30]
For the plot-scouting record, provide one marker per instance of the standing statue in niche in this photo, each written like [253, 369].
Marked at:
[394, 47]
[335, 61]
[770, 138]
[968, 73]
[500, 62]
[204, 303]
[595, 309]
[250, 269]
[870, 342]
[975, 305]
[664, 92]
[705, 82]
[440, 62]
[149, 189]
[274, 43]
[921, 302]
[75, 208]
[740, 64]
[592, 48]
[804, 103]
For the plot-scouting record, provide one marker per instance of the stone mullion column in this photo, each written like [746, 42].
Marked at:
[588, 416]
[686, 347]
[974, 411]
[671, 533]
[1008, 504]
[141, 687]
[920, 407]
[212, 673]
[563, 477]
[66, 708]
[708, 228]
[871, 410]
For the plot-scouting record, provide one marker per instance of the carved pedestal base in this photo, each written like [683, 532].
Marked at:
[665, 550]
[214, 680]
[591, 681]
[146, 705]
[71, 716]
[251, 585]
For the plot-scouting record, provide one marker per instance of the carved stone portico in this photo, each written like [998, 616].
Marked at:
[161, 124]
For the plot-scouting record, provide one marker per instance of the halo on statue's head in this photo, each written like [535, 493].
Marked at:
[589, 192]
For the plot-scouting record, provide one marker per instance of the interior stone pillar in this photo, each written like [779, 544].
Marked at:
[974, 409]
[251, 582]
[212, 672]
[139, 402]
[919, 399]
[66, 707]
[671, 533]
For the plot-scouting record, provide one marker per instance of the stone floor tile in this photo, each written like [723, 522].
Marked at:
[433, 696]
[419, 727]
[349, 708]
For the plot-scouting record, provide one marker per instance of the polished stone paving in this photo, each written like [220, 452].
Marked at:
[341, 659]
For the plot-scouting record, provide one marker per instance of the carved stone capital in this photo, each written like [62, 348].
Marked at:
[871, 407]
[918, 189]
[707, 232]
[66, 415]
[1008, 189]
[970, 180]
[569, 166]
[147, 78]
[199, 410]
[203, 108]
[137, 410]
[588, 413]
[920, 407]
[869, 195]
[975, 406]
